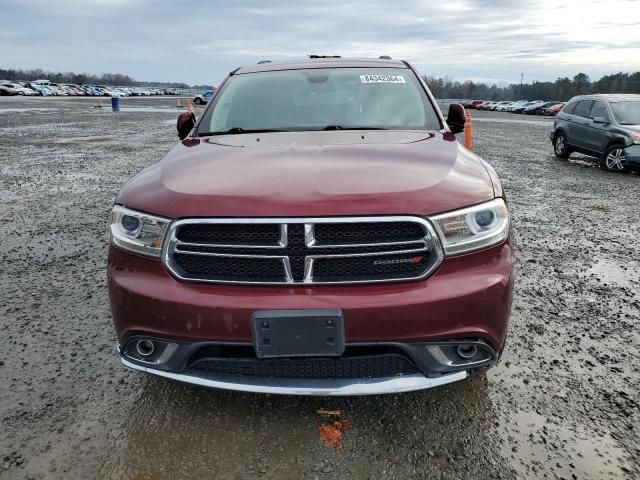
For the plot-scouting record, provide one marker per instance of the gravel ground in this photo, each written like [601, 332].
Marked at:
[563, 402]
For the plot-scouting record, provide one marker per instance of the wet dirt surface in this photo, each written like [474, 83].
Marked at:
[563, 402]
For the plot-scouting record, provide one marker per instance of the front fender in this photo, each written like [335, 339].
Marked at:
[619, 139]
[632, 153]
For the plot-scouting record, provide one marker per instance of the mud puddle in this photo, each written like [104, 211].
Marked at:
[26, 110]
[610, 272]
[225, 435]
[537, 443]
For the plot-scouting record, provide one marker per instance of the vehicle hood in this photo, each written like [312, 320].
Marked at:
[311, 174]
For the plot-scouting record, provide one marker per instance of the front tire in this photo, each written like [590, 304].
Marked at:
[614, 159]
[197, 101]
[560, 147]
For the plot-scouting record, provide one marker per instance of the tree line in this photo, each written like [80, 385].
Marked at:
[82, 78]
[442, 87]
[562, 89]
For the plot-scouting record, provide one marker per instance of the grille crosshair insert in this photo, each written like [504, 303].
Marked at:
[302, 250]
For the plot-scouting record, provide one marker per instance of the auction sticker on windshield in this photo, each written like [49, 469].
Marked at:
[382, 79]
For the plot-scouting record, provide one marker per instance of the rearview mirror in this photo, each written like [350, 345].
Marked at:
[600, 120]
[186, 122]
[456, 118]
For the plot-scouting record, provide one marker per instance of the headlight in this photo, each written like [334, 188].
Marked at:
[137, 232]
[473, 228]
[635, 137]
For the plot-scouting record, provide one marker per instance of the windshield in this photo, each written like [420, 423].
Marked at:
[320, 99]
[627, 113]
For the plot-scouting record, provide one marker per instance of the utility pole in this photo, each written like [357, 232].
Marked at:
[521, 79]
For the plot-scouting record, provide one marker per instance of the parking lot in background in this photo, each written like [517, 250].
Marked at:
[562, 403]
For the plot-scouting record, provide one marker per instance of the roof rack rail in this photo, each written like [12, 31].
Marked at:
[324, 56]
[264, 61]
[384, 57]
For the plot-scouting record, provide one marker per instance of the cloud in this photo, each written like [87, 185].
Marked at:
[200, 42]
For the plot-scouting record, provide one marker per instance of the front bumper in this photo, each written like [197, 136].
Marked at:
[467, 299]
[328, 387]
[632, 154]
[364, 369]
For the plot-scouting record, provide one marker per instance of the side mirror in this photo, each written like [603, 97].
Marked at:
[186, 122]
[456, 118]
[600, 120]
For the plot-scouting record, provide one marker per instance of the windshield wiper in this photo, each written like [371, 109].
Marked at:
[240, 130]
[340, 127]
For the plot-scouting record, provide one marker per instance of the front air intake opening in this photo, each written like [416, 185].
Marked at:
[355, 362]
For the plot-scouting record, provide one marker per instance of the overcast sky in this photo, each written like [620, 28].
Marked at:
[199, 42]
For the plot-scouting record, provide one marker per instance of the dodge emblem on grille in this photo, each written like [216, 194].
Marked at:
[412, 260]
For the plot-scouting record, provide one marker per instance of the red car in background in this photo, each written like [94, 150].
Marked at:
[554, 109]
[318, 231]
[483, 105]
[473, 104]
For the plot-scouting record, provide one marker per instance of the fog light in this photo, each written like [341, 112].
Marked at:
[149, 350]
[467, 351]
[145, 348]
[459, 354]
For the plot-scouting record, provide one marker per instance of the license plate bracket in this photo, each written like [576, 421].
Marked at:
[298, 333]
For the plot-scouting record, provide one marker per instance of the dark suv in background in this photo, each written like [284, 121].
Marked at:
[603, 126]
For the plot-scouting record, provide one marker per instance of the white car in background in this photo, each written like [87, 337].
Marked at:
[141, 91]
[515, 105]
[17, 89]
[28, 90]
[489, 106]
[533, 105]
[106, 91]
[73, 89]
[55, 89]
[4, 90]
[502, 106]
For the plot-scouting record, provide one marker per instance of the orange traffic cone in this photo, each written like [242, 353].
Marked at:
[467, 130]
[189, 106]
[178, 105]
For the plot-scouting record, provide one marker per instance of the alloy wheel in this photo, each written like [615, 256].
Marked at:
[616, 159]
[560, 146]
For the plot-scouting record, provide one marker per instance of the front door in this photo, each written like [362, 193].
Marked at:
[596, 139]
[580, 129]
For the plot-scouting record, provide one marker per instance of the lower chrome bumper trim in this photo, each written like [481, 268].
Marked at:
[336, 387]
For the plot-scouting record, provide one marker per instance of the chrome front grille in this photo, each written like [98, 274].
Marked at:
[302, 250]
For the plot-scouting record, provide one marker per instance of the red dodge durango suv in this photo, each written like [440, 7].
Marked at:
[318, 231]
